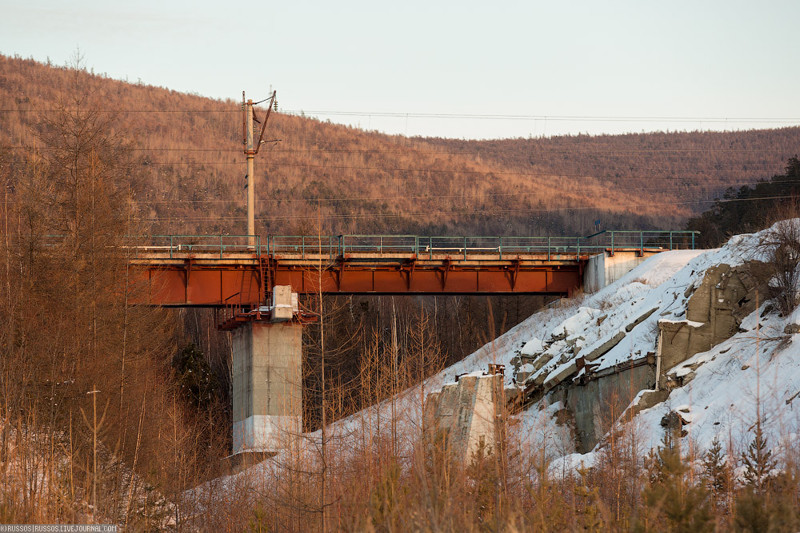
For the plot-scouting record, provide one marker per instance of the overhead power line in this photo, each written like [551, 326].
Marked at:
[476, 197]
[412, 150]
[445, 116]
[500, 116]
[374, 215]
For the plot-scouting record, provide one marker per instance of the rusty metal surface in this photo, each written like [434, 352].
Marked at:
[195, 280]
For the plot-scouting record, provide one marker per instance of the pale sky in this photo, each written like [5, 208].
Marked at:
[453, 69]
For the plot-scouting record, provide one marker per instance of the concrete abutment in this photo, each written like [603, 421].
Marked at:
[605, 268]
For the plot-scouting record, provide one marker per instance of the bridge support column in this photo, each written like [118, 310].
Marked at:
[267, 385]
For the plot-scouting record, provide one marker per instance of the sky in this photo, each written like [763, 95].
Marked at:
[446, 69]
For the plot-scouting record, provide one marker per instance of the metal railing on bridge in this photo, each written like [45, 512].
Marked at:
[420, 246]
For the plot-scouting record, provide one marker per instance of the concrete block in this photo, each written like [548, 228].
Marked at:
[593, 403]
[542, 360]
[282, 308]
[648, 399]
[713, 313]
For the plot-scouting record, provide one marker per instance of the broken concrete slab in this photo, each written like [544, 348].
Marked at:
[560, 375]
[605, 347]
[650, 398]
[641, 319]
[542, 360]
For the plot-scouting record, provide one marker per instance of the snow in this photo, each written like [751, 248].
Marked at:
[720, 397]
[527, 367]
[690, 323]
[576, 322]
[532, 346]
[577, 327]
[794, 318]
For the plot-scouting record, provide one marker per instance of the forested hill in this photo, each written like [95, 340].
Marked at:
[684, 168]
[187, 167]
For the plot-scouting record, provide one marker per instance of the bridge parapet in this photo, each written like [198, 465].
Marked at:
[418, 245]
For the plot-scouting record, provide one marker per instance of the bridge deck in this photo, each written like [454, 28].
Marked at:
[213, 271]
[198, 279]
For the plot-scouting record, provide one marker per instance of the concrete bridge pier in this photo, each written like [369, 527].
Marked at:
[267, 382]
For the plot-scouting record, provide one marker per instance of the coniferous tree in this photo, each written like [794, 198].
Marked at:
[751, 512]
[758, 462]
[783, 501]
[753, 507]
[717, 473]
[748, 209]
[715, 467]
[675, 503]
[590, 514]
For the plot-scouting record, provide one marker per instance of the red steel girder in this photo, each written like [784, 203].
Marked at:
[196, 283]
[205, 287]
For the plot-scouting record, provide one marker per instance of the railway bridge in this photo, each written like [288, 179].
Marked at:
[253, 282]
[225, 271]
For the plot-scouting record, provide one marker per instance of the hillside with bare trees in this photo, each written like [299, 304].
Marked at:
[188, 167]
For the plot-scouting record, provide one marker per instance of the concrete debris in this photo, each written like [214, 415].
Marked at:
[551, 352]
[524, 372]
[649, 398]
[671, 421]
[532, 347]
[714, 312]
[464, 414]
[791, 329]
[572, 342]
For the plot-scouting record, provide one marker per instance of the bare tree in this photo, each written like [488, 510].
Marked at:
[781, 244]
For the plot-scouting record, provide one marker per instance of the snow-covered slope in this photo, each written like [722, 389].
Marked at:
[759, 362]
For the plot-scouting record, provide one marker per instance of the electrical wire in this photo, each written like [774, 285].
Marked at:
[534, 151]
[445, 116]
[475, 197]
[499, 116]
[378, 215]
